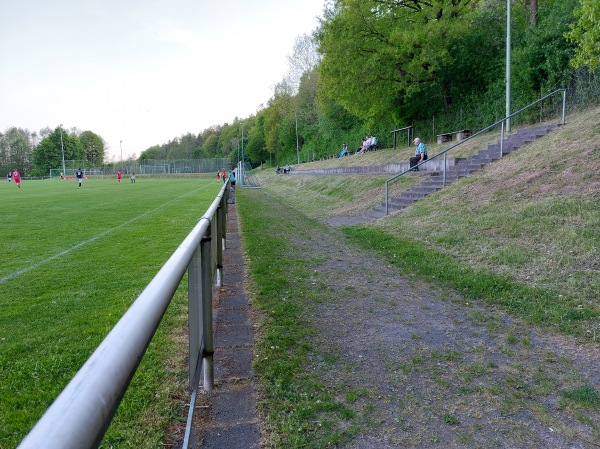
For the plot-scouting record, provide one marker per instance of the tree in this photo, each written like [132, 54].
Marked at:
[586, 35]
[93, 146]
[541, 57]
[377, 52]
[305, 57]
[256, 149]
[16, 150]
[48, 154]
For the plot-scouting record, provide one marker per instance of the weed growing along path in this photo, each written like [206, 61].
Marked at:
[417, 366]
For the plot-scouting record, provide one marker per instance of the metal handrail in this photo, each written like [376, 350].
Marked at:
[445, 152]
[409, 130]
[81, 414]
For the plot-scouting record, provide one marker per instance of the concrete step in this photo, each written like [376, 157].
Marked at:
[401, 202]
[412, 194]
[425, 189]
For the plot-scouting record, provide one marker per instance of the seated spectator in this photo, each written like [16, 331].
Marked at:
[287, 169]
[278, 171]
[363, 146]
[372, 145]
[420, 154]
[344, 151]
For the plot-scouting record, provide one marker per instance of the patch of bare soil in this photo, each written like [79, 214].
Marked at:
[426, 368]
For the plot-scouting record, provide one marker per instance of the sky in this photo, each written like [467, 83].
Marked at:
[141, 72]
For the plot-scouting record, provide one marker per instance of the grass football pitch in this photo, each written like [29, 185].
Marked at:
[74, 259]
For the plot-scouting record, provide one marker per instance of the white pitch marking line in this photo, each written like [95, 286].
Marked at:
[93, 239]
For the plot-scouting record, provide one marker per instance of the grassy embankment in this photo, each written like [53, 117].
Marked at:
[522, 235]
[74, 261]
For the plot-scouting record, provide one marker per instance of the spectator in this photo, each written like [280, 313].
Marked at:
[344, 151]
[132, 177]
[287, 169]
[232, 179]
[372, 145]
[363, 146]
[420, 154]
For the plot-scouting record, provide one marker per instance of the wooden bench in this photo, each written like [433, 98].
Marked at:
[447, 137]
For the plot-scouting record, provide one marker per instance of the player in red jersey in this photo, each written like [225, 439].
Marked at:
[17, 178]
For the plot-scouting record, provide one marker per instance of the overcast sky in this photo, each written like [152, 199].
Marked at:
[143, 71]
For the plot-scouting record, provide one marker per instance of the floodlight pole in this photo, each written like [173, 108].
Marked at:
[508, 64]
[62, 147]
[121, 143]
[242, 144]
[297, 148]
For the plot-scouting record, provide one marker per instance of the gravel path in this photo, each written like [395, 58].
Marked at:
[430, 369]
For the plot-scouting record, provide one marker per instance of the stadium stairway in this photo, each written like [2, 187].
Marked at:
[434, 181]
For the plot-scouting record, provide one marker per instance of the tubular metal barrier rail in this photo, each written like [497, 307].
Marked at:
[81, 414]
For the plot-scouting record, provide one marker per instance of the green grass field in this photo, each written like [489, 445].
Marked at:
[74, 259]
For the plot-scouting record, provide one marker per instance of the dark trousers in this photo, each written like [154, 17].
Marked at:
[415, 160]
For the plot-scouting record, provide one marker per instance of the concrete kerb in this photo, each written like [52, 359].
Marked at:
[227, 416]
[434, 165]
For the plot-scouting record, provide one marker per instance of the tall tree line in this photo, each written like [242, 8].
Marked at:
[35, 153]
[375, 65]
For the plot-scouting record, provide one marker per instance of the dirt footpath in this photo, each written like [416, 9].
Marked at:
[430, 369]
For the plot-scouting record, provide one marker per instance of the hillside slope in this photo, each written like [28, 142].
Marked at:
[533, 216]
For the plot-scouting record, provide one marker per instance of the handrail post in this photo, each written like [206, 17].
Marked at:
[194, 316]
[564, 105]
[445, 164]
[220, 216]
[207, 313]
[502, 139]
[386, 197]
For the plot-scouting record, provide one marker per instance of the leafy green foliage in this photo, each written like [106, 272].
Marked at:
[49, 153]
[586, 35]
[93, 145]
[16, 151]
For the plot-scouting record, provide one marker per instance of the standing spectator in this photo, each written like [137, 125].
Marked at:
[119, 175]
[132, 177]
[223, 175]
[232, 179]
[17, 177]
[218, 175]
[420, 154]
[79, 176]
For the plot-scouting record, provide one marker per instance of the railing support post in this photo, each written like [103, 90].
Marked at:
[564, 105]
[207, 313]
[386, 197]
[220, 216]
[194, 317]
[445, 165]
[502, 139]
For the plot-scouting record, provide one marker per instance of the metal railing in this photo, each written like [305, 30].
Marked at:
[81, 414]
[445, 152]
[409, 131]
